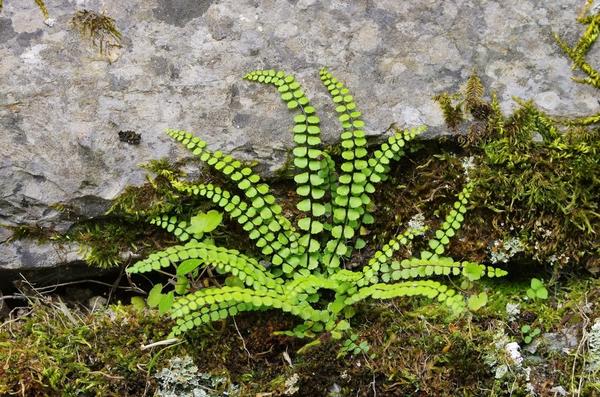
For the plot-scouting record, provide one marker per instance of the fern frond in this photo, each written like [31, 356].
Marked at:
[265, 297]
[174, 226]
[274, 235]
[350, 199]
[299, 289]
[390, 150]
[377, 170]
[385, 254]
[208, 314]
[308, 156]
[330, 181]
[427, 288]
[230, 261]
[259, 194]
[412, 268]
[247, 181]
[451, 224]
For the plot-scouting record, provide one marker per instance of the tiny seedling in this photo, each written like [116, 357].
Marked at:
[537, 290]
[528, 333]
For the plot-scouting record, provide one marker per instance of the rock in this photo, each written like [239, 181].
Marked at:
[96, 303]
[563, 341]
[30, 254]
[179, 65]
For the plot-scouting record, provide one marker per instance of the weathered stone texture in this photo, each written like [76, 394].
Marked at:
[62, 103]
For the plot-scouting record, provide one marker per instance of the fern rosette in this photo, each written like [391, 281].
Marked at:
[306, 257]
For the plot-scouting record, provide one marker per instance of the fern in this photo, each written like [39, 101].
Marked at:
[312, 254]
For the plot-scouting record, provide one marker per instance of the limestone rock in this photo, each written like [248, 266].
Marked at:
[63, 103]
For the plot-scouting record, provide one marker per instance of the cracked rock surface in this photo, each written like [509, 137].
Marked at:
[63, 103]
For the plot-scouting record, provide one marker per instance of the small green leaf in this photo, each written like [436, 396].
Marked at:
[301, 178]
[476, 302]
[166, 302]
[187, 266]
[472, 271]
[138, 303]
[304, 223]
[360, 244]
[154, 296]
[304, 205]
[204, 222]
[318, 209]
[536, 283]
[542, 293]
[531, 293]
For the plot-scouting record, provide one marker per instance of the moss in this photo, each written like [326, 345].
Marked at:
[100, 28]
[57, 350]
[417, 349]
[35, 232]
[544, 192]
[41, 5]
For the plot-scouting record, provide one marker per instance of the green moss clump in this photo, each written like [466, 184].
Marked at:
[41, 5]
[538, 178]
[57, 350]
[100, 28]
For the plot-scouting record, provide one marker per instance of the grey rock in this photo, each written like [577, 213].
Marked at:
[180, 12]
[97, 303]
[62, 102]
[29, 254]
[564, 341]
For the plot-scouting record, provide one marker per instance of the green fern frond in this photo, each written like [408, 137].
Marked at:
[247, 181]
[451, 224]
[350, 196]
[173, 225]
[258, 298]
[427, 288]
[308, 158]
[385, 254]
[274, 235]
[209, 314]
[247, 269]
